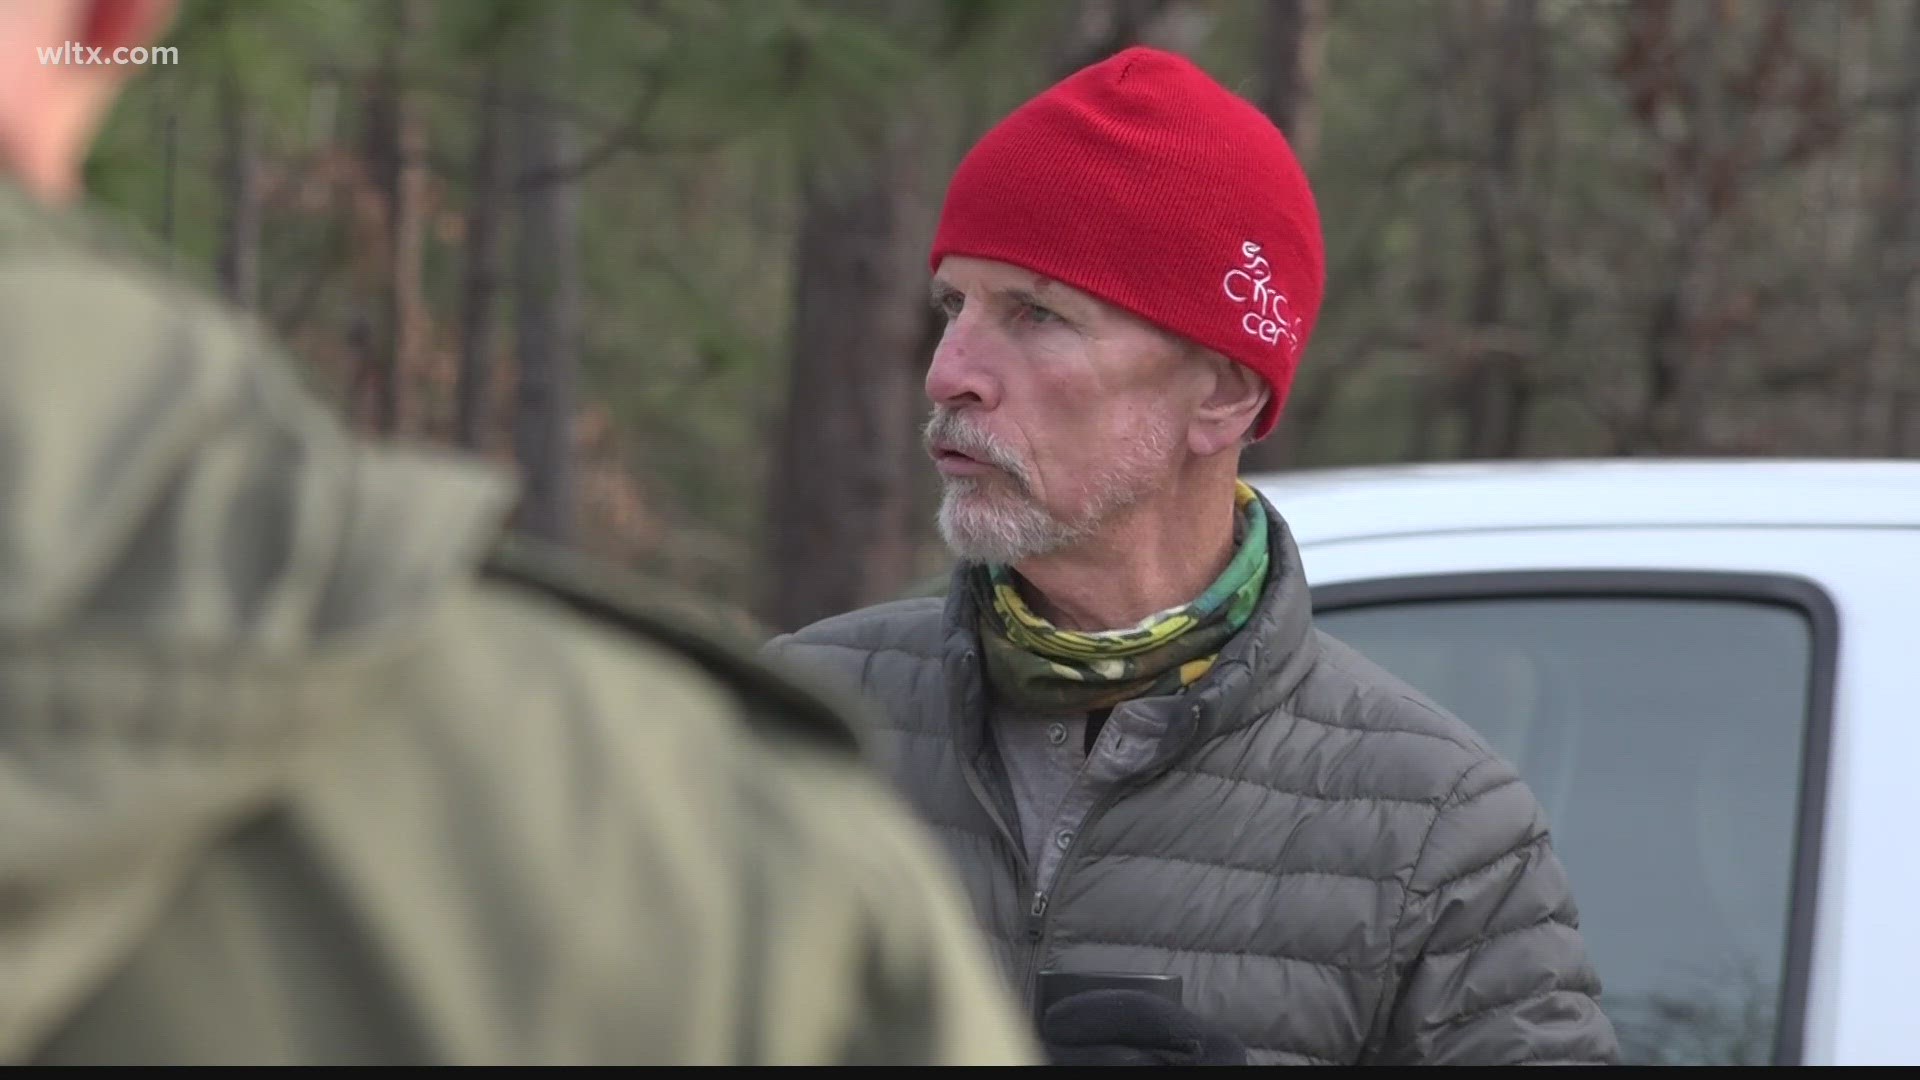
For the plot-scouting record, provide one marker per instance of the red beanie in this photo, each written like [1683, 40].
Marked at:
[1144, 182]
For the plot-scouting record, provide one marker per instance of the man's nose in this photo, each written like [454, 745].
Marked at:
[960, 372]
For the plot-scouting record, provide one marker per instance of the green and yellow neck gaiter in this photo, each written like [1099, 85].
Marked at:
[1036, 665]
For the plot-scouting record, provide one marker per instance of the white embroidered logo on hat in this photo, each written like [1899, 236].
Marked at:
[1268, 317]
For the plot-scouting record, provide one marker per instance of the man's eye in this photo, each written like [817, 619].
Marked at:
[949, 304]
[1034, 313]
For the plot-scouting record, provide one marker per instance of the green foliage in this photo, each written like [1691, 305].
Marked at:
[693, 120]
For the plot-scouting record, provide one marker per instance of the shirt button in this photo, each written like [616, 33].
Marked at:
[1063, 839]
[1056, 733]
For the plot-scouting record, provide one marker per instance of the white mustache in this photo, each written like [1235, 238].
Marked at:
[947, 428]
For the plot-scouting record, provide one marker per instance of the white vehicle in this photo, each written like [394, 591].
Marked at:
[1708, 673]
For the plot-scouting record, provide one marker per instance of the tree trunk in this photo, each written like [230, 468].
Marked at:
[839, 509]
[1096, 29]
[382, 155]
[1494, 393]
[473, 414]
[407, 318]
[395, 152]
[1885, 424]
[547, 308]
[1291, 33]
[1100, 28]
[240, 167]
[169, 166]
[1657, 33]
[1903, 427]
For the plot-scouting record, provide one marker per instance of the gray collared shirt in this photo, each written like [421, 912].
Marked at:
[1056, 781]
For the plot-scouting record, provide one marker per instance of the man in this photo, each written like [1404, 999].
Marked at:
[1142, 755]
[293, 772]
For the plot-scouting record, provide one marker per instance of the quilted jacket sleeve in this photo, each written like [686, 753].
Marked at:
[1494, 970]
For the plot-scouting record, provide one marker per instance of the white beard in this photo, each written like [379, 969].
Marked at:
[997, 519]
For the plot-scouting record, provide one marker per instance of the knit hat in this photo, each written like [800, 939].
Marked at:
[1144, 182]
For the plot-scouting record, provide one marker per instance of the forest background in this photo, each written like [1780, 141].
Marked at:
[666, 258]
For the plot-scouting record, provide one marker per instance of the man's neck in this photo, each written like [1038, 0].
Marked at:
[1159, 555]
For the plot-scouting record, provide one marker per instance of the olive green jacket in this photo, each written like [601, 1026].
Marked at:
[299, 766]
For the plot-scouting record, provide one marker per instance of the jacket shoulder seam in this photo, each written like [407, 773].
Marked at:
[611, 598]
[1330, 663]
[1363, 729]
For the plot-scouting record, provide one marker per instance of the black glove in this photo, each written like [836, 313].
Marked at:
[1132, 1027]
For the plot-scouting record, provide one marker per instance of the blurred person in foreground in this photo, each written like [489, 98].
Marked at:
[1141, 753]
[293, 771]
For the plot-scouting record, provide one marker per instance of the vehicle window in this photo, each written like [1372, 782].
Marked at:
[1664, 738]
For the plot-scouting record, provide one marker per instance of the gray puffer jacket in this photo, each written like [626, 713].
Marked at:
[1341, 871]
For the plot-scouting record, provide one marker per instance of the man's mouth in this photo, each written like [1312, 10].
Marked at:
[956, 463]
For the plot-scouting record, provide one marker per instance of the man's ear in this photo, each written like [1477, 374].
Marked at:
[1229, 408]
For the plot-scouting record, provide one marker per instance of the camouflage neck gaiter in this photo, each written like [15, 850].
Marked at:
[1035, 665]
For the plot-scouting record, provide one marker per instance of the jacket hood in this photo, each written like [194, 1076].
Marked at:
[197, 568]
